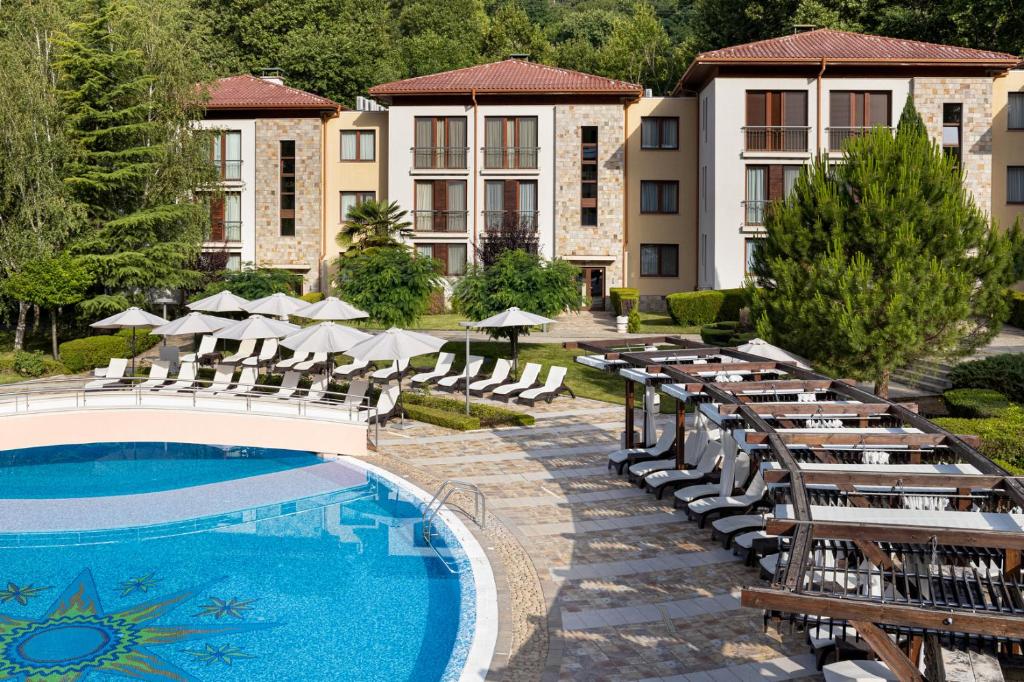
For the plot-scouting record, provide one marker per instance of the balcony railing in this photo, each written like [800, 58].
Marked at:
[754, 211]
[510, 157]
[838, 135]
[775, 138]
[440, 158]
[439, 221]
[503, 220]
[230, 169]
[226, 231]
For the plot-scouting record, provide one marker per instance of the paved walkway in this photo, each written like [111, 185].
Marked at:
[584, 325]
[599, 580]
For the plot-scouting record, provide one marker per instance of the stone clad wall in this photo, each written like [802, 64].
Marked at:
[605, 239]
[302, 251]
[930, 93]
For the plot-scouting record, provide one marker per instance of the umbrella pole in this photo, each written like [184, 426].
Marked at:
[467, 371]
[133, 353]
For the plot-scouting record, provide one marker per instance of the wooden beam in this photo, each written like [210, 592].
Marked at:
[1011, 567]
[964, 482]
[887, 650]
[812, 439]
[823, 409]
[876, 556]
[630, 405]
[680, 434]
[837, 608]
[834, 530]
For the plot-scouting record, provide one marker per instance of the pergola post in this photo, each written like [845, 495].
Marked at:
[630, 405]
[680, 434]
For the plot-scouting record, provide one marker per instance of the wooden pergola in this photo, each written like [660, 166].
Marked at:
[909, 582]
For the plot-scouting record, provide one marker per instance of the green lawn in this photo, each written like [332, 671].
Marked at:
[662, 323]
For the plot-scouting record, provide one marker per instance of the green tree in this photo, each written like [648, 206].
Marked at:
[253, 283]
[521, 279]
[578, 37]
[391, 283]
[638, 50]
[512, 32]
[51, 283]
[718, 23]
[126, 80]
[881, 260]
[439, 36]
[374, 223]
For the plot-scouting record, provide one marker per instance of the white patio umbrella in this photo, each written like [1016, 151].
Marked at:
[133, 318]
[221, 302]
[763, 349]
[395, 345]
[514, 319]
[193, 323]
[278, 305]
[331, 308]
[258, 327]
[326, 337]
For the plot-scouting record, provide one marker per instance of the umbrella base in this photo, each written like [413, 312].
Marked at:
[399, 425]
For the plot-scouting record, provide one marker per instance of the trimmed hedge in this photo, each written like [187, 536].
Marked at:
[81, 355]
[486, 415]
[975, 403]
[620, 295]
[1002, 373]
[704, 307]
[312, 297]
[1016, 301]
[725, 334]
[439, 417]
[1002, 437]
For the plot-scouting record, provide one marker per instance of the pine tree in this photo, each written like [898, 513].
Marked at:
[881, 260]
[127, 85]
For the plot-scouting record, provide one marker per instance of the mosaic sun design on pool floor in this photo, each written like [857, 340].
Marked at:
[76, 637]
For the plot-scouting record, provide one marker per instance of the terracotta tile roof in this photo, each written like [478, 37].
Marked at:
[250, 92]
[843, 46]
[511, 76]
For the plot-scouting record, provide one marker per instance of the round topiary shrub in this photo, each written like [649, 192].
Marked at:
[29, 364]
[975, 403]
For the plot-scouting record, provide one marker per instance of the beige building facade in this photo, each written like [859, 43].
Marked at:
[1008, 148]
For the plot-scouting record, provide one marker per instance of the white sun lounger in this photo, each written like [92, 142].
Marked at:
[289, 385]
[158, 372]
[618, 459]
[392, 371]
[700, 509]
[450, 383]
[186, 378]
[221, 379]
[697, 440]
[289, 363]
[727, 527]
[268, 351]
[112, 375]
[740, 470]
[246, 382]
[443, 366]
[502, 368]
[387, 405]
[307, 365]
[318, 389]
[206, 346]
[352, 369]
[553, 386]
[246, 349]
[356, 394]
[847, 671]
[658, 482]
[527, 380]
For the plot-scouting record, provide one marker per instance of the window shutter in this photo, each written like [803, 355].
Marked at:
[511, 202]
[216, 219]
[878, 108]
[794, 111]
[756, 106]
[440, 205]
[775, 182]
[839, 109]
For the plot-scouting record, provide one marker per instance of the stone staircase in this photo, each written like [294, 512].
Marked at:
[928, 376]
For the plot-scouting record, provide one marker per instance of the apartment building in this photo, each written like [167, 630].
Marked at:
[512, 144]
[269, 148]
[1008, 148]
[766, 108]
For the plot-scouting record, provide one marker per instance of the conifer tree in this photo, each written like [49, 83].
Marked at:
[881, 260]
[126, 80]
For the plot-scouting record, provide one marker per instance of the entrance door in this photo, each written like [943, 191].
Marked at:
[593, 287]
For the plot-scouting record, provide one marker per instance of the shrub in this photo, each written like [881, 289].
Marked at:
[704, 307]
[81, 355]
[487, 415]
[438, 417]
[973, 403]
[437, 305]
[633, 326]
[29, 364]
[1016, 301]
[1002, 437]
[623, 295]
[725, 334]
[312, 297]
[1002, 373]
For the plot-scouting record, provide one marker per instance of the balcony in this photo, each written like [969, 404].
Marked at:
[754, 211]
[511, 158]
[230, 170]
[497, 221]
[439, 221]
[775, 138]
[838, 135]
[439, 158]
[225, 231]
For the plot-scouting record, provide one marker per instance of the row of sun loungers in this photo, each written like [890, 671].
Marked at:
[526, 390]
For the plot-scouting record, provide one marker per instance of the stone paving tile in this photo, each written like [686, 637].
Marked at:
[694, 607]
[572, 498]
[661, 563]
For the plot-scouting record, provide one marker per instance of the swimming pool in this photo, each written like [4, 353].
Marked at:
[343, 590]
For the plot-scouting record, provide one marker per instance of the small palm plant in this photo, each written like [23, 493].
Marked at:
[374, 223]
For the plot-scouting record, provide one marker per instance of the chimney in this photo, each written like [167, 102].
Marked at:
[272, 75]
[522, 56]
[803, 28]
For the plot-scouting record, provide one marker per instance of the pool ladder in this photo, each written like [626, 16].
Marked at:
[441, 500]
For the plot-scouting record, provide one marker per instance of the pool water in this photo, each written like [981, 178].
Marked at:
[101, 469]
[346, 591]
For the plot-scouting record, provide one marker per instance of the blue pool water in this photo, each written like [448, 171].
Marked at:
[101, 469]
[345, 591]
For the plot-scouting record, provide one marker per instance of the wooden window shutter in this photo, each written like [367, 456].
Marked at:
[441, 254]
[775, 182]
[794, 110]
[774, 108]
[511, 197]
[217, 218]
[756, 107]
[440, 205]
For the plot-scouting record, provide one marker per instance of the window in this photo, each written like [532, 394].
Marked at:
[659, 260]
[659, 132]
[588, 176]
[1015, 185]
[234, 262]
[750, 249]
[440, 142]
[659, 196]
[851, 113]
[350, 200]
[510, 142]
[440, 206]
[226, 153]
[765, 184]
[1015, 111]
[358, 145]
[952, 129]
[452, 257]
[287, 216]
[510, 203]
[776, 120]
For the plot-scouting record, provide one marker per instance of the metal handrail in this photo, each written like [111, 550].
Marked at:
[440, 500]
